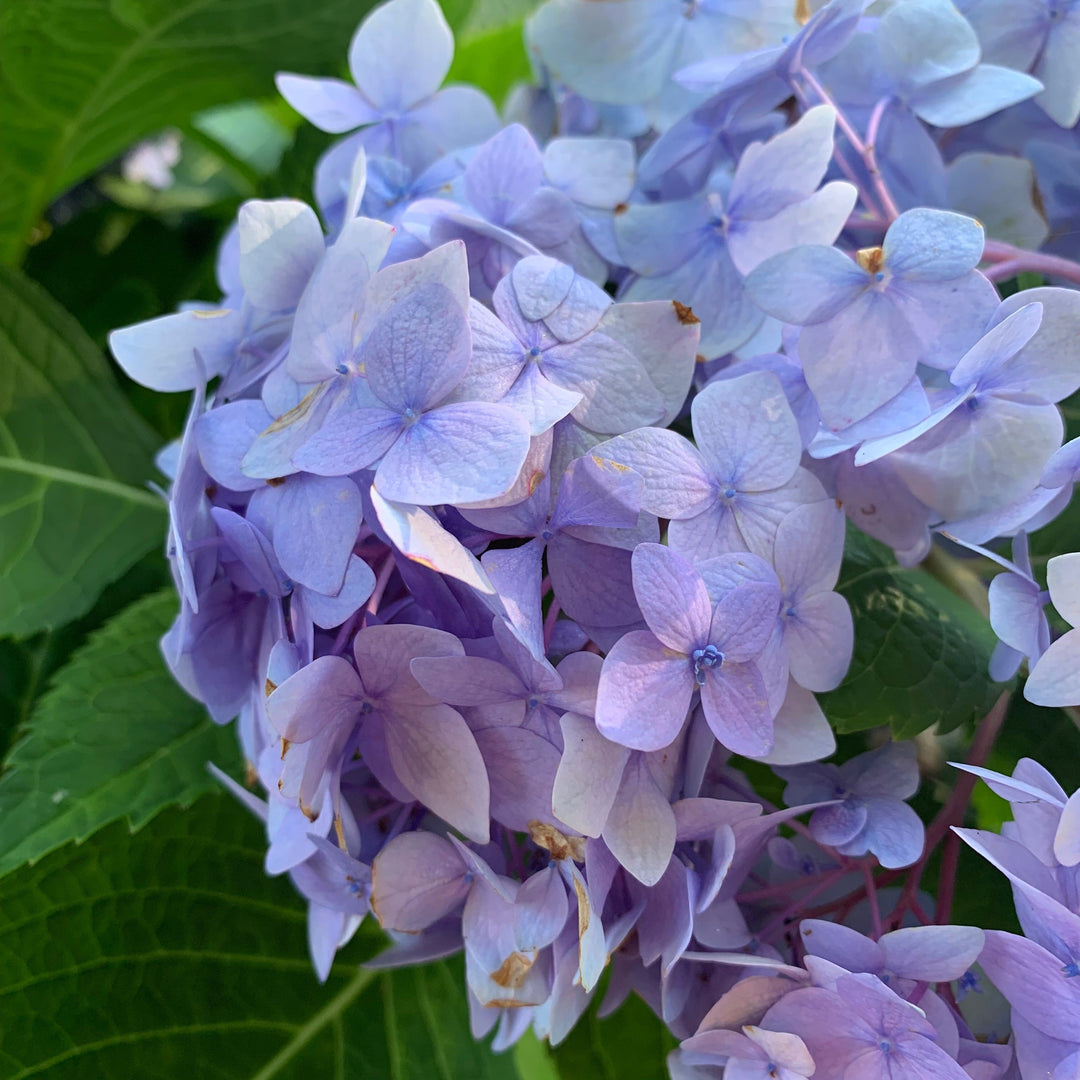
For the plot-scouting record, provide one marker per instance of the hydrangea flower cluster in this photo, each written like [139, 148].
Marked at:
[512, 502]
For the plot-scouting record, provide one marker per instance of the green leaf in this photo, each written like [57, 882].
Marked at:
[921, 652]
[493, 60]
[170, 954]
[74, 458]
[81, 80]
[114, 737]
[629, 1045]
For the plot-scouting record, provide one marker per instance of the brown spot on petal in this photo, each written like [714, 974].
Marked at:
[216, 314]
[251, 774]
[285, 744]
[560, 846]
[870, 259]
[699, 359]
[512, 971]
[536, 480]
[276, 481]
[210, 490]
[299, 410]
[584, 912]
[685, 314]
[802, 12]
[340, 830]
[309, 813]
[505, 1003]
[621, 208]
[269, 687]
[423, 562]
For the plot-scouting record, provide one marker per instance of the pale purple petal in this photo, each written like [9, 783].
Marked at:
[416, 880]
[281, 242]
[1055, 679]
[736, 706]
[640, 830]
[435, 754]
[672, 597]
[332, 105]
[589, 775]
[324, 694]
[645, 692]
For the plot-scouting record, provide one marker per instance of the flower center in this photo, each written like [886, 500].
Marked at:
[704, 659]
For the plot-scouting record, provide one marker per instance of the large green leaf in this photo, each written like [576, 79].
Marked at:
[170, 954]
[921, 652]
[114, 737]
[80, 80]
[74, 459]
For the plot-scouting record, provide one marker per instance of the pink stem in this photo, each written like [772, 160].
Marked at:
[1012, 260]
[550, 620]
[881, 189]
[785, 887]
[381, 582]
[872, 896]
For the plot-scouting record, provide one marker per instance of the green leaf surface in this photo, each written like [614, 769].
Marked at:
[631, 1044]
[81, 80]
[170, 954]
[113, 737]
[493, 59]
[74, 459]
[921, 652]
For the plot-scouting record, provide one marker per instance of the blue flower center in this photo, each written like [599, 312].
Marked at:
[885, 1046]
[880, 275]
[704, 659]
[532, 702]
[410, 416]
[342, 369]
[1071, 970]
[730, 493]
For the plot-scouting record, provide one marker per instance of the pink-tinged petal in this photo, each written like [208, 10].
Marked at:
[281, 243]
[932, 953]
[677, 483]
[416, 880]
[672, 597]
[820, 637]
[736, 706]
[420, 537]
[332, 105]
[640, 830]
[455, 454]
[746, 432]
[401, 53]
[1055, 679]
[645, 691]
[841, 824]
[894, 833]
[1034, 982]
[324, 694]
[514, 573]
[589, 775]
[787, 1051]
[1063, 581]
[435, 754]
[810, 547]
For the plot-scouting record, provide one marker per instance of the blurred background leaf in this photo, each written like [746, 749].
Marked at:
[170, 953]
[114, 737]
[74, 458]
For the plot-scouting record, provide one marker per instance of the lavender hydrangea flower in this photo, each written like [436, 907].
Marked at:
[1055, 678]
[871, 814]
[702, 644]
[731, 492]
[398, 59]
[916, 299]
